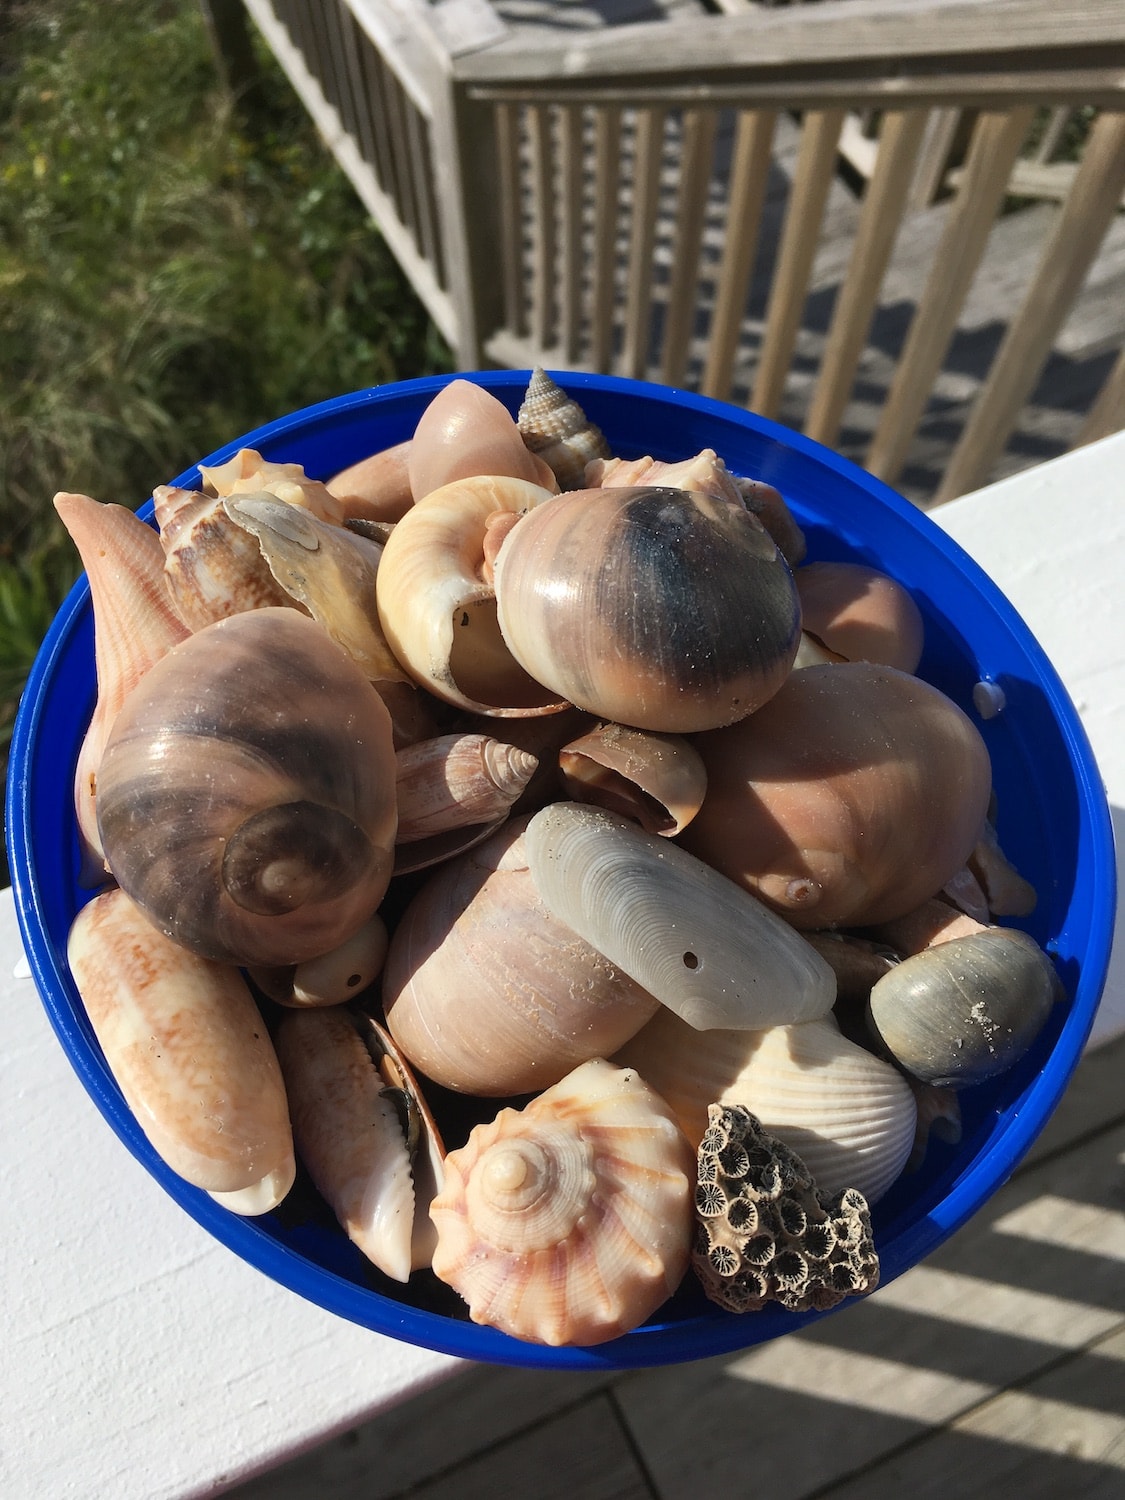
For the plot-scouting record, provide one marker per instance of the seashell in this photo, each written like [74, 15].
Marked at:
[860, 614]
[557, 429]
[847, 1114]
[768, 504]
[465, 432]
[190, 1052]
[331, 978]
[487, 993]
[703, 947]
[857, 962]
[569, 1222]
[134, 626]
[328, 570]
[213, 567]
[657, 780]
[246, 795]
[350, 1135]
[453, 792]
[1008, 894]
[767, 1233]
[705, 474]
[651, 607]
[853, 795]
[377, 488]
[964, 891]
[248, 473]
[966, 1008]
[437, 612]
[939, 1118]
[544, 736]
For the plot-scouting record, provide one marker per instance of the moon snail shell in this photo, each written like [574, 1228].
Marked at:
[246, 797]
[655, 607]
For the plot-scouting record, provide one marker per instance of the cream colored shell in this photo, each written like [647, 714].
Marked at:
[569, 1222]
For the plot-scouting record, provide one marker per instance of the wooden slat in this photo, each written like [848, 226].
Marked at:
[543, 226]
[422, 176]
[941, 136]
[1108, 412]
[749, 177]
[996, 142]
[883, 207]
[607, 198]
[341, 92]
[373, 73]
[1052, 134]
[1066, 258]
[571, 171]
[398, 121]
[507, 118]
[353, 43]
[815, 165]
[695, 183]
[648, 151]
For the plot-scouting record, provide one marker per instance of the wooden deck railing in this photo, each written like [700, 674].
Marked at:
[656, 200]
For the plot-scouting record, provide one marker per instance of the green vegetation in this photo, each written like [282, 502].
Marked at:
[175, 268]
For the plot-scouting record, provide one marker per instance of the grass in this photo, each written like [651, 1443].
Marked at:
[175, 268]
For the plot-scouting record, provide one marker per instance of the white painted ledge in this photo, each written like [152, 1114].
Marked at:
[143, 1360]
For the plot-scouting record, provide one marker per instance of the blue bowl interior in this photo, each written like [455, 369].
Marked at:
[1053, 823]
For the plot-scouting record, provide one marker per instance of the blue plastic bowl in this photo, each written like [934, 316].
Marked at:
[1053, 823]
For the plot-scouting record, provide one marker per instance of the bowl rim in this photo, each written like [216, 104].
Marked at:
[654, 1343]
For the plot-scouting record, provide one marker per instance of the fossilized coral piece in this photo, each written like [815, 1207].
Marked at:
[763, 1230]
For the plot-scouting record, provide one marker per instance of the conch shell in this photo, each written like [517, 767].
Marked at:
[213, 567]
[246, 796]
[190, 1052]
[569, 1222]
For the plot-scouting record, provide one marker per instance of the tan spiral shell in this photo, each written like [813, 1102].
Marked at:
[569, 1222]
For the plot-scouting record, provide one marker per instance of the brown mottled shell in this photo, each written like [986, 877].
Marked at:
[653, 607]
[487, 993]
[852, 796]
[569, 1222]
[555, 427]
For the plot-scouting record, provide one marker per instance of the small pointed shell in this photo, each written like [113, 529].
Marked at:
[213, 567]
[487, 993]
[569, 1222]
[860, 614]
[349, 1134]
[134, 626]
[848, 1115]
[328, 570]
[188, 1047]
[436, 610]
[657, 780]
[457, 780]
[702, 946]
[465, 432]
[556, 428]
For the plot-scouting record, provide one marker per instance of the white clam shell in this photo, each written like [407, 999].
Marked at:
[705, 948]
[850, 1116]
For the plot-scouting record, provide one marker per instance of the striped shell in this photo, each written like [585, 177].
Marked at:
[555, 427]
[569, 1222]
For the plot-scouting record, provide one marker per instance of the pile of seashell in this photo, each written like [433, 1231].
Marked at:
[556, 779]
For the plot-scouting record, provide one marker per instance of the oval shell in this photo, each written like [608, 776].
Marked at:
[487, 993]
[652, 607]
[464, 432]
[189, 1050]
[860, 614]
[689, 936]
[847, 1114]
[849, 798]
[569, 1222]
[247, 793]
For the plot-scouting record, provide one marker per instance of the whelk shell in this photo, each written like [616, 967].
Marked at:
[569, 1222]
[190, 1052]
[487, 993]
[248, 473]
[213, 567]
[847, 1114]
[700, 944]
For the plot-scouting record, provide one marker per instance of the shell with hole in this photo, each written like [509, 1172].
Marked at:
[569, 1222]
